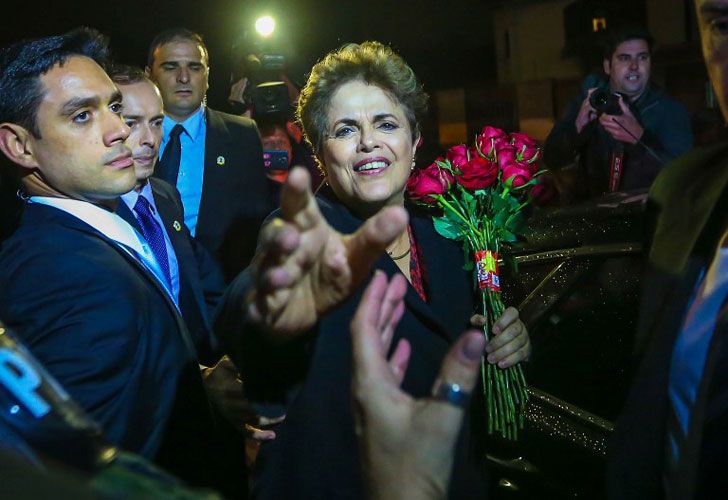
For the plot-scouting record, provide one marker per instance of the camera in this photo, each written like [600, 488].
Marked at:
[604, 101]
[275, 159]
[270, 101]
[265, 94]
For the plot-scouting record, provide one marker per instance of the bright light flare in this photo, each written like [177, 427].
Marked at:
[265, 26]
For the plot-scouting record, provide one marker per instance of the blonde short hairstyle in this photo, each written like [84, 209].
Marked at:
[371, 62]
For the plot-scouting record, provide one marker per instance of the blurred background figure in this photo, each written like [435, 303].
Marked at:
[263, 91]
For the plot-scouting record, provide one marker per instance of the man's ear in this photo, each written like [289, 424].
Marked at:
[607, 64]
[16, 144]
[148, 72]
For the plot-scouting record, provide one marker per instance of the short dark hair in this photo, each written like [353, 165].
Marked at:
[124, 74]
[371, 62]
[23, 63]
[175, 35]
[622, 35]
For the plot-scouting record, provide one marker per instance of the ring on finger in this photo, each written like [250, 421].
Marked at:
[452, 394]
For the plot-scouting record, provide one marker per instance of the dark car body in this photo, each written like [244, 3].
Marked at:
[577, 287]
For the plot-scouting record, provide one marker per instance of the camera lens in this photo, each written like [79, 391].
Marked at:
[604, 101]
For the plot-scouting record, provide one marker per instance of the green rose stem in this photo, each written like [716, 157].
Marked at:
[505, 389]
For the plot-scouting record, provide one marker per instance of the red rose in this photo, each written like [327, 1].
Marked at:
[521, 175]
[478, 173]
[544, 192]
[490, 139]
[506, 156]
[429, 181]
[526, 148]
[458, 155]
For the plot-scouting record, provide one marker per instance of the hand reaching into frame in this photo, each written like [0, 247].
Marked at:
[406, 444]
[304, 267]
[226, 391]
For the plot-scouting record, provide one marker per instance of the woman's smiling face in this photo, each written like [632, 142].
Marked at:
[368, 148]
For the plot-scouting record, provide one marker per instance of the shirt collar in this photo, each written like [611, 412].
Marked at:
[193, 125]
[113, 227]
[132, 196]
[107, 223]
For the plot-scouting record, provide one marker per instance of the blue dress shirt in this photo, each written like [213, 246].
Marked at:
[691, 347]
[192, 163]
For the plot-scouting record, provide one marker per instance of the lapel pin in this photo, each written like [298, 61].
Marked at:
[177, 226]
[221, 160]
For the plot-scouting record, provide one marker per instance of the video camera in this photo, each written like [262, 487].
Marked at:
[266, 95]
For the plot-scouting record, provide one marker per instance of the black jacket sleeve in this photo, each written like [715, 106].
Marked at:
[564, 143]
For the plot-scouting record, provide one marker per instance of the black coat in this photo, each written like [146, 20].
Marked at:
[315, 453]
[236, 193]
[667, 133]
[687, 208]
[102, 325]
[201, 284]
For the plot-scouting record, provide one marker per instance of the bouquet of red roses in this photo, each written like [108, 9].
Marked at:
[482, 191]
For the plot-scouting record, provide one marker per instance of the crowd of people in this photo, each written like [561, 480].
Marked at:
[309, 345]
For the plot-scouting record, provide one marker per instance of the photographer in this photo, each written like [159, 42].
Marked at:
[621, 128]
[264, 93]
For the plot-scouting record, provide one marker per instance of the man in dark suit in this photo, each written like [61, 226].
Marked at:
[196, 280]
[81, 288]
[214, 159]
[671, 440]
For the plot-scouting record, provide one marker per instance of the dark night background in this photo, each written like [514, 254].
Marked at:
[447, 43]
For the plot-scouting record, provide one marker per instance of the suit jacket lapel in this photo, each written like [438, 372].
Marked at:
[683, 219]
[710, 393]
[123, 211]
[684, 483]
[415, 304]
[39, 211]
[186, 260]
[685, 234]
[449, 289]
[215, 132]
[685, 240]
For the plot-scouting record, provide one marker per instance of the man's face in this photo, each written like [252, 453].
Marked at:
[180, 69]
[629, 68]
[81, 152]
[713, 24]
[142, 111]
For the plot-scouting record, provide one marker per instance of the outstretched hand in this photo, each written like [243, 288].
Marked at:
[304, 267]
[406, 444]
